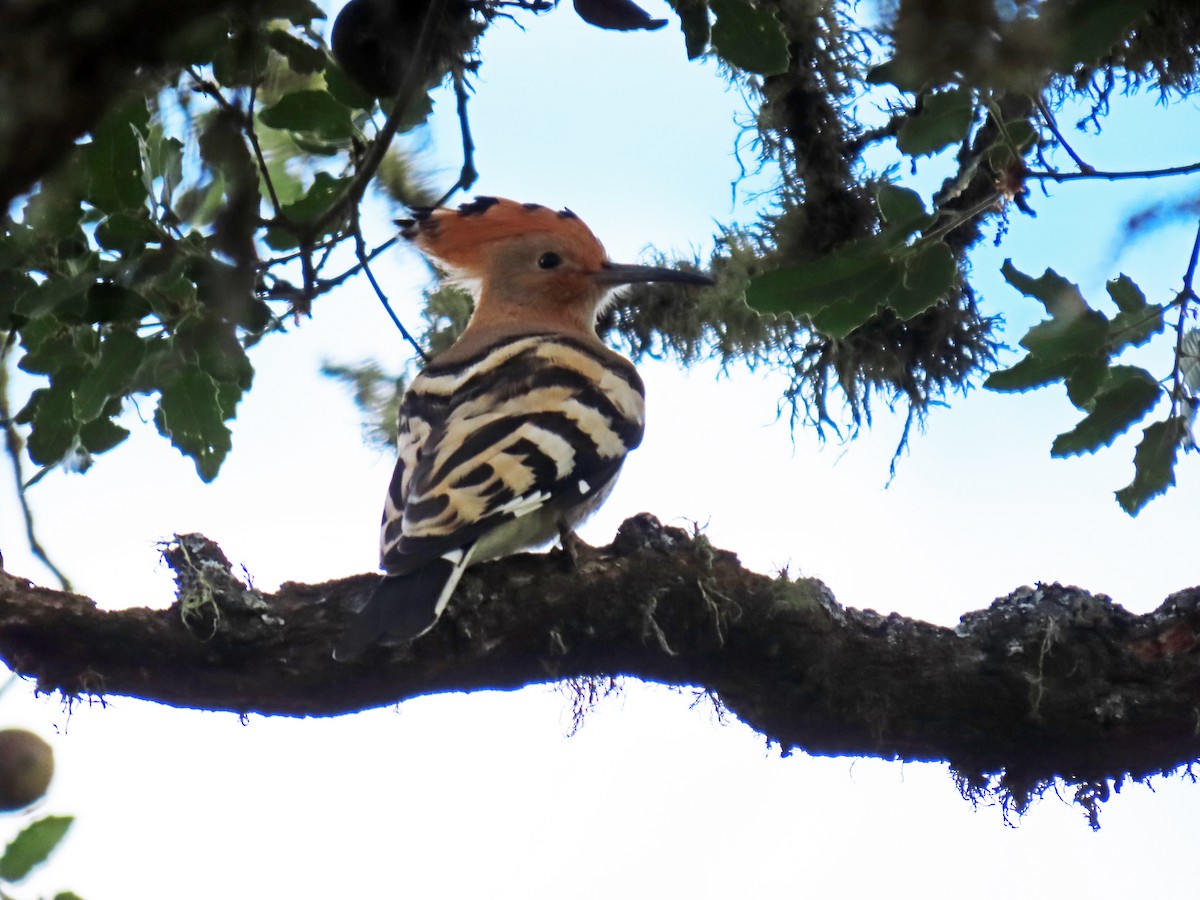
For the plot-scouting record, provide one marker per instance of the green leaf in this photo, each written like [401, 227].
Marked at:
[1127, 295]
[1074, 330]
[301, 12]
[1093, 28]
[312, 112]
[1085, 379]
[112, 161]
[302, 57]
[102, 435]
[1028, 373]
[127, 233]
[35, 842]
[1068, 338]
[901, 208]
[189, 414]
[344, 90]
[1153, 464]
[63, 297]
[1059, 296]
[1123, 400]
[67, 895]
[841, 317]
[693, 21]
[108, 301]
[810, 287]
[749, 38]
[121, 353]
[943, 119]
[1138, 321]
[53, 424]
[324, 191]
[929, 275]
[906, 77]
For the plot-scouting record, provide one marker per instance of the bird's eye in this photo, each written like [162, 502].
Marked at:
[549, 261]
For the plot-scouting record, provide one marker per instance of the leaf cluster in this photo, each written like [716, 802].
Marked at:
[198, 214]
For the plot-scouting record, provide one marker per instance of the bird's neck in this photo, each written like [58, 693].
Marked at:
[497, 317]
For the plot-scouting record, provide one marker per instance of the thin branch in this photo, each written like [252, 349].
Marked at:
[370, 164]
[364, 264]
[1185, 296]
[252, 135]
[326, 284]
[1048, 117]
[467, 175]
[1114, 176]
[13, 446]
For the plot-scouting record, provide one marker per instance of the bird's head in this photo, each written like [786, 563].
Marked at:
[527, 262]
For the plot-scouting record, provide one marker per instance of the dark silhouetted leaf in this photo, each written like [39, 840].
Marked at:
[189, 413]
[53, 424]
[1138, 321]
[901, 208]
[127, 232]
[1085, 379]
[1153, 464]
[102, 435]
[748, 37]
[1028, 373]
[1094, 27]
[944, 119]
[111, 163]
[302, 57]
[693, 21]
[1123, 400]
[121, 353]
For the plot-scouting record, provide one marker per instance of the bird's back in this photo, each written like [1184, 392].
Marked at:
[531, 427]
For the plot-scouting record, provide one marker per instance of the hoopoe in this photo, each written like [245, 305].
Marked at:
[516, 433]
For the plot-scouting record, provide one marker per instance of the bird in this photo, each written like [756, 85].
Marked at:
[518, 431]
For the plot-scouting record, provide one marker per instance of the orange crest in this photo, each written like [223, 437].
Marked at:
[460, 238]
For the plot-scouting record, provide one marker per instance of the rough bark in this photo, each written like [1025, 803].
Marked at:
[1048, 683]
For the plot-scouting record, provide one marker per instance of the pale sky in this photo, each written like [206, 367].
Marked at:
[484, 795]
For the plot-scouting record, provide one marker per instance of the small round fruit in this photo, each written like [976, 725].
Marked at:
[26, 766]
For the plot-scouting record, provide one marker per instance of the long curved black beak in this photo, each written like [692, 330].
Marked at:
[614, 274]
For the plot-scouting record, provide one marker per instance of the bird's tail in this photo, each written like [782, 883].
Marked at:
[403, 607]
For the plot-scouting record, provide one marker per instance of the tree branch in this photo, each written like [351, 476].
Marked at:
[1048, 683]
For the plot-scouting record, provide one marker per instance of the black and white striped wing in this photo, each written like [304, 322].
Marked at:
[532, 430]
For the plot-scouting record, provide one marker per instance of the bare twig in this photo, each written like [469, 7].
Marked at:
[1186, 295]
[364, 263]
[13, 446]
[467, 175]
[1113, 176]
[1048, 118]
[252, 135]
[326, 284]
